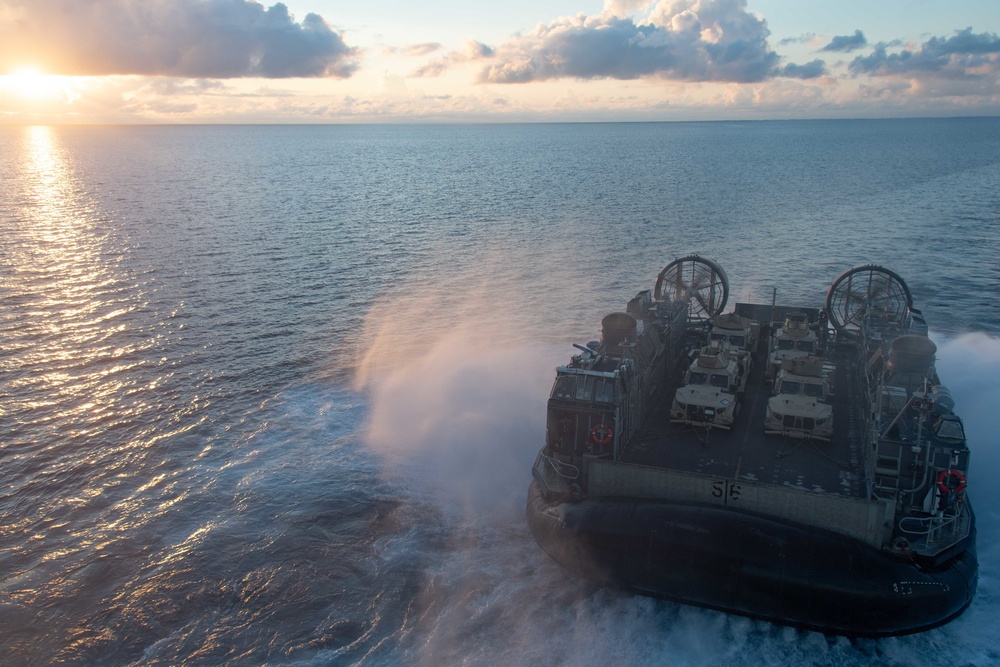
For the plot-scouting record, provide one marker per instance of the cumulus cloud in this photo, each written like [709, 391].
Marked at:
[686, 40]
[180, 38]
[625, 7]
[472, 51]
[964, 55]
[810, 70]
[847, 43]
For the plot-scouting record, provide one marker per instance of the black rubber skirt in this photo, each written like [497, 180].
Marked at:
[752, 565]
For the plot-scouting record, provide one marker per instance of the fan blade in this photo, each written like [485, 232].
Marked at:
[704, 306]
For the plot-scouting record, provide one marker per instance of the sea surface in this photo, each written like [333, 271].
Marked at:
[271, 394]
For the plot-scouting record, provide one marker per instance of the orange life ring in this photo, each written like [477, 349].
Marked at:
[601, 428]
[943, 484]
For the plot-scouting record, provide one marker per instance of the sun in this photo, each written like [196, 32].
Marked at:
[32, 83]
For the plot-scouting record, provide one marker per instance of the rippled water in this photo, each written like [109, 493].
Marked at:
[271, 394]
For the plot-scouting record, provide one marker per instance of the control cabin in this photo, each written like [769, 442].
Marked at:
[601, 397]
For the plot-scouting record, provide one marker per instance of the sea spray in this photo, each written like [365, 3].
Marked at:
[458, 381]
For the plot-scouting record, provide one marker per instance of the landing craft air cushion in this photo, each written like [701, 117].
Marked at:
[849, 514]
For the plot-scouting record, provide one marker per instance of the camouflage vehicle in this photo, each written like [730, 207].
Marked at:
[800, 406]
[712, 387]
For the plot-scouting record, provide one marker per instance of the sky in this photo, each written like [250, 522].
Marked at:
[348, 61]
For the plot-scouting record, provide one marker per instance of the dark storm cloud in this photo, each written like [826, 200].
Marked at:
[180, 38]
[810, 70]
[706, 40]
[963, 55]
[846, 43]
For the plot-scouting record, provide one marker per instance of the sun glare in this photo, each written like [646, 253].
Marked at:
[32, 83]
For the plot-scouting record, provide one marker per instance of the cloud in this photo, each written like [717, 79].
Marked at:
[810, 70]
[847, 43]
[472, 51]
[686, 40]
[625, 7]
[166, 86]
[421, 49]
[804, 38]
[964, 55]
[214, 39]
[414, 50]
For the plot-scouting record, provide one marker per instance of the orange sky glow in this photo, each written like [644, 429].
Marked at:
[319, 61]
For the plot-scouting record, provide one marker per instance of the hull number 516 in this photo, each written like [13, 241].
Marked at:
[726, 489]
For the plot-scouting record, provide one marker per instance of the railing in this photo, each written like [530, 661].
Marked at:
[935, 534]
[553, 475]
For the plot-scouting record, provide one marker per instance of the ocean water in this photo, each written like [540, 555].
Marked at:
[270, 395]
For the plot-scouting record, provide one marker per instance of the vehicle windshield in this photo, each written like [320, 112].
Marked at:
[814, 390]
[719, 380]
[805, 346]
[698, 378]
[738, 341]
[786, 344]
[788, 387]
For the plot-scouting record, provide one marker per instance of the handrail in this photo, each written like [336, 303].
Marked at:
[928, 519]
[556, 462]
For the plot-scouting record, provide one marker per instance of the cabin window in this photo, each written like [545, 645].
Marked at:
[718, 336]
[719, 380]
[605, 392]
[786, 344]
[814, 390]
[788, 387]
[565, 387]
[698, 378]
[950, 429]
[585, 388]
[805, 346]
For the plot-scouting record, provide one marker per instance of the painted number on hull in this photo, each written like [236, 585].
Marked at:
[726, 490]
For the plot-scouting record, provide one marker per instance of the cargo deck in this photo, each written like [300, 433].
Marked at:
[745, 452]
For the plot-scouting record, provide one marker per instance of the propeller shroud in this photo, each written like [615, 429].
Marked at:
[700, 282]
[863, 292]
